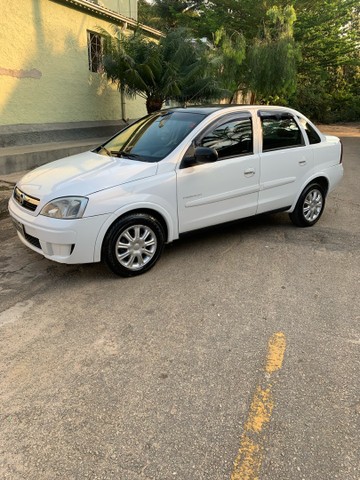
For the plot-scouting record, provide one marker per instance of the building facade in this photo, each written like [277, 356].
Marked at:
[50, 61]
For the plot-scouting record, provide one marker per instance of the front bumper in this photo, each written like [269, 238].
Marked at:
[64, 241]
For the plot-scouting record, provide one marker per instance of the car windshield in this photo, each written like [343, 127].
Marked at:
[152, 138]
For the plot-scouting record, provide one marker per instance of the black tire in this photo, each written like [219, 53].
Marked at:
[133, 244]
[309, 207]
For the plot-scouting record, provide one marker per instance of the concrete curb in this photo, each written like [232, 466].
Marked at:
[27, 157]
[5, 193]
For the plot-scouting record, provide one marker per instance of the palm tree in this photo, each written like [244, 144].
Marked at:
[176, 68]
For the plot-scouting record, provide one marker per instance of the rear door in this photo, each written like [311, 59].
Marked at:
[285, 160]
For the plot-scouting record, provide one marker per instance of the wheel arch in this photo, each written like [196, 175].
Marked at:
[152, 213]
[322, 180]
[160, 214]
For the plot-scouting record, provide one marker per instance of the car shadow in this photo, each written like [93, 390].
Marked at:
[239, 228]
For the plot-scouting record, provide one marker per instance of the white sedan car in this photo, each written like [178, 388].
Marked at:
[171, 172]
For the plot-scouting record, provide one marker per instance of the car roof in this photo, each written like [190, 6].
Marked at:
[203, 109]
[209, 109]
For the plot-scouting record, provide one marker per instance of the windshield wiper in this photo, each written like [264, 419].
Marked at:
[124, 154]
[98, 149]
[121, 153]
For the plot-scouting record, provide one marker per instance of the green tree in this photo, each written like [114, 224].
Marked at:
[326, 33]
[204, 18]
[272, 59]
[229, 54]
[328, 77]
[176, 68]
[169, 14]
[147, 14]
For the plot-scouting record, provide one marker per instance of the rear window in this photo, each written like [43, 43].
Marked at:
[280, 131]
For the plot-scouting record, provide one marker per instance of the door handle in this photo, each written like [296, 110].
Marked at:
[302, 162]
[249, 172]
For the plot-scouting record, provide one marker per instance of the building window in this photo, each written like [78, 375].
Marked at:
[95, 52]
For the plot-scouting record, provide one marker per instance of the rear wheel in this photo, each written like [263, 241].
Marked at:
[133, 244]
[309, 207]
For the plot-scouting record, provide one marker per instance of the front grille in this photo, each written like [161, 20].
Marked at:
[33, 240]
[26, 201]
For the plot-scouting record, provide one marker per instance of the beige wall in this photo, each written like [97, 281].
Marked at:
[44, 73]
[125, 7]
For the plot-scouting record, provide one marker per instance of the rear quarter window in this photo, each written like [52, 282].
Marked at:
[310, 132]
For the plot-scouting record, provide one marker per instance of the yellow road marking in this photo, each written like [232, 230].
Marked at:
[248, 462]
[276, 351]
[260, 410]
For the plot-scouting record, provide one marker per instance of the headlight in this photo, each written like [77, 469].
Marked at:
[66, 207]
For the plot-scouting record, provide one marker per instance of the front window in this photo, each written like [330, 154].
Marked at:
[152, 138]
[232, 138]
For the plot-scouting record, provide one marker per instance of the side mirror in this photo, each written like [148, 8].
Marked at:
[205, 155]
[201, 155]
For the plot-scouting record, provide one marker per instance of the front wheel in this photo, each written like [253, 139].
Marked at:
[309, 207]
[133, 244]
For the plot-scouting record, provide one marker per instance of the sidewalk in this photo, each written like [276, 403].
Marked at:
[29, 155]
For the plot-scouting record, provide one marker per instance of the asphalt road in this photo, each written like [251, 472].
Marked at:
[236, 357]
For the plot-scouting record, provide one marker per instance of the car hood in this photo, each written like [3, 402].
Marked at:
[82, 175]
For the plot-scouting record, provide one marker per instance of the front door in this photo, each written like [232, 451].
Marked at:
[225, 190]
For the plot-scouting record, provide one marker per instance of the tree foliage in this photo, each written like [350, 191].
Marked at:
[272, 59]
[178, 67]
[329, 73]
[311, 63]
[229, 52]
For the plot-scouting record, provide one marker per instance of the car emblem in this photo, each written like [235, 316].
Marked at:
[22, 198]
